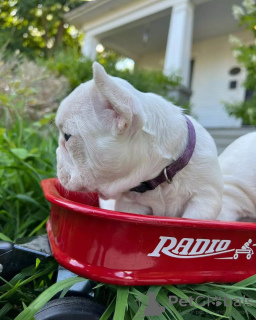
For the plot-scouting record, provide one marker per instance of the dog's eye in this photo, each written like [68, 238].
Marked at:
[67, 136]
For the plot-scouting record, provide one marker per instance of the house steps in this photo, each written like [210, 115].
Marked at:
[225, 136]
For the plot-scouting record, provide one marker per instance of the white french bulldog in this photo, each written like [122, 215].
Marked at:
[113, 138]
[238, 165]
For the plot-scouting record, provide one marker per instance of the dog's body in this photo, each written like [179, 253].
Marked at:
[238, 166]
[119, 137]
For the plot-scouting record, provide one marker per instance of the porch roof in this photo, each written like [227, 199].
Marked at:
[212, 17]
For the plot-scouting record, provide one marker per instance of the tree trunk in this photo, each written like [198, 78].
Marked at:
[59, 35]
[45, 35]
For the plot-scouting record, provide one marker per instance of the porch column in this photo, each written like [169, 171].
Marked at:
[178, 49]
[89, 47]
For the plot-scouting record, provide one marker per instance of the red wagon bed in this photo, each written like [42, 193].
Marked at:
[131, 249]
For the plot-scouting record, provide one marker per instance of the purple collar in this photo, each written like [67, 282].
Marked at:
[170, 171]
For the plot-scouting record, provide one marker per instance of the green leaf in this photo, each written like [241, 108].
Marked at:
[46, 119]
[121, 302]
[2, 131]
[29, 199]
[5, 309]
[4, 98]
[228, 311]
[44, 297]
[143, 298]
[251, 310]
[140, 296]
[180, 294]
[108, 312]
[17, 278]
[24, 305]
[64, 292]
[193, 317]
[236, 315]
[21, 153]
[133, 305]
[38, 261]
[244, 283]
[163, 299]
[99, 285]
[39, 227]
[4, 237]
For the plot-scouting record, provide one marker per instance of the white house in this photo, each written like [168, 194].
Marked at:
[188, 36]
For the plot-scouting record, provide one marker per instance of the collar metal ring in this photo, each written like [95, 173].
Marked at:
[166, 177]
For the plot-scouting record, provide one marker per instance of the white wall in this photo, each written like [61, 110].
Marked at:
[210, 85]
[151, 61]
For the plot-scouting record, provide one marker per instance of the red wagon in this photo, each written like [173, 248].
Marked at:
[130, 249]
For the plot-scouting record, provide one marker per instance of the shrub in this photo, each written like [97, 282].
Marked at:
[246, 56]
[27, 88]
[143, 80]
[70, 64]
[78, 69]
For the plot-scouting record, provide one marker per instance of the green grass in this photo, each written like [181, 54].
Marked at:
[131, 300]
[27, 155]
[25, 287]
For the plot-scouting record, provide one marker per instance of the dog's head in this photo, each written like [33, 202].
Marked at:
[102, 145]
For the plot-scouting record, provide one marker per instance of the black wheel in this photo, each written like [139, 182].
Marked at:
[71, 308]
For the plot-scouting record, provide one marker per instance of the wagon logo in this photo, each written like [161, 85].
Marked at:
[245, 249]
[188, 248]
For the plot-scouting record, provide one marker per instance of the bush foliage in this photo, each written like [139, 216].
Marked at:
[29, 89]
[78, 69]
[246, 56]
[37, 28]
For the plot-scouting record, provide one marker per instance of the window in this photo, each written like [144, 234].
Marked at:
[234, 71]
[232, 84]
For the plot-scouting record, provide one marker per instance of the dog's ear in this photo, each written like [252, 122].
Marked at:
[128, 113]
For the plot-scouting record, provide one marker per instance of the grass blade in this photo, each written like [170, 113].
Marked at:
[163, 299]
[4, 237]
[6, 308]
[236, 315]
[121, 302]
[44, 297]
[108, 312]
[182, 295]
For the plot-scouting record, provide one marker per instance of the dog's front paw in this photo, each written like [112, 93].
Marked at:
[107, 204]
